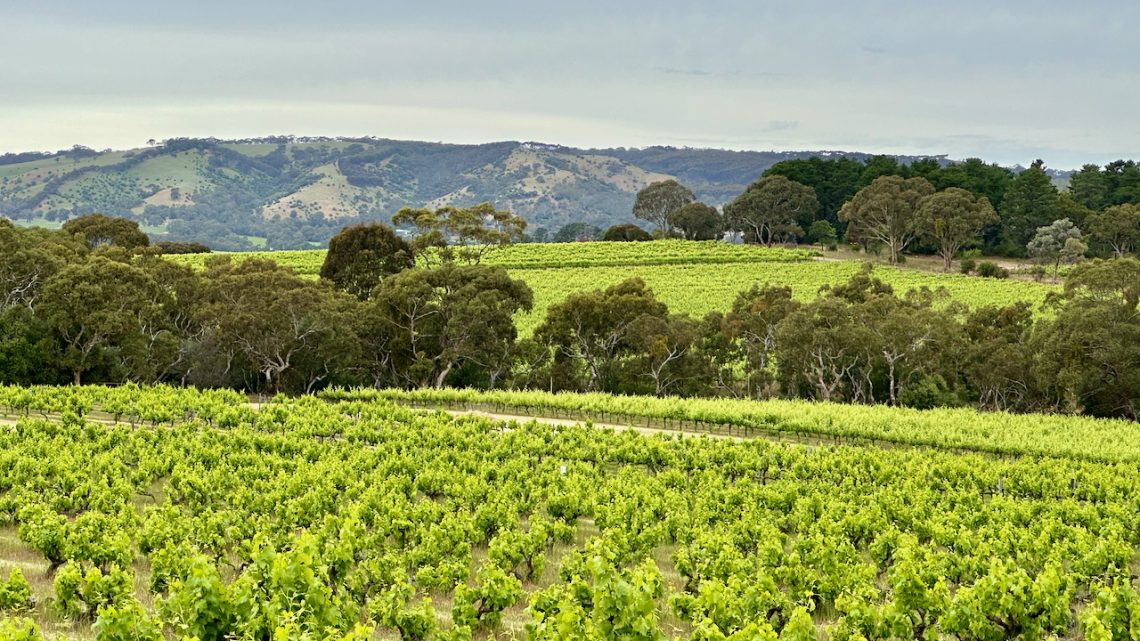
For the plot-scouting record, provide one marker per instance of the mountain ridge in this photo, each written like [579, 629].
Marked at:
[296, 191]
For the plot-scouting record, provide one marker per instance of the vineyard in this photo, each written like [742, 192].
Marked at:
[689, 277]
[149, 513]
[1109, 441]
[554, 255]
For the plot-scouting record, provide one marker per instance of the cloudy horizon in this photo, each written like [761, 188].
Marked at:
[1007, 83]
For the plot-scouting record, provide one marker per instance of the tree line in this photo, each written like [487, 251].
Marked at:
[90, 303]
[925, 207]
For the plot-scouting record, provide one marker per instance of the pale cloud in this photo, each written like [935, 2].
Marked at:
[1008, 82]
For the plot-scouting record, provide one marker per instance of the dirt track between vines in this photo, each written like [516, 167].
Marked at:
[567, 422]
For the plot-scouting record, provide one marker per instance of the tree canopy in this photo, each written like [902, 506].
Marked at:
[886, 211]
[1030, 202]
[627, 232]
[98, 230]
[465, 234]
[657, 200]
[361, 255]
[953, 219]
[1057, 242]
[770, 208]
[439, 320]
[697, 221]
[1118, 227]
[576, 232]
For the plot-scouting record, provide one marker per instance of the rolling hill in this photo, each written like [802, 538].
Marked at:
[293, 192]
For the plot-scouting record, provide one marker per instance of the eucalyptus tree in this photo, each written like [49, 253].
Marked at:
[769, 207]
[657, 200]
[886, 211]
[953, 219]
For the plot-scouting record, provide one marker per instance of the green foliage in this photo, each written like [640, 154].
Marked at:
[198, 605]
[1056, 243]
[990, 269]
[1082, 353]
[126, 622]
[482, 605]
[465, 234]
[99, 305]
[45, 531]
[20, 629]
[603, 602]
[393, 609]
[169, 248]
[697, 221]
[98, 539]
[286, 586]
[592, 328]
[98, 230]
[577, 232]
[16, 593]
[736, 607]
[822, 233]
[1007, 602]
[799, 627]
[834, 181]
[887, 212]
[657, 200]
[1030, 203]
[285, 327]
[626, 233]
[935, 534]
[1113, 614]
[360, 256]
[522, 553]
[433, 322]
[83, 595]
[1118, 227]
[1097, 188]
[769, 210]
[953, 219]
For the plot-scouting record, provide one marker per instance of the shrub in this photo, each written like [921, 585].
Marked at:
[626, 233]
[989, 269]
[172, 247]
[967, 265]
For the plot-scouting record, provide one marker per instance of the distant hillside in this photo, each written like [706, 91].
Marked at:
[292, 192]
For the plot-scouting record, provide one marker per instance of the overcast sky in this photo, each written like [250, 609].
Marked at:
[1008, 81]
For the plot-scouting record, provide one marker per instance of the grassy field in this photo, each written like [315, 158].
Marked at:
[695, 277]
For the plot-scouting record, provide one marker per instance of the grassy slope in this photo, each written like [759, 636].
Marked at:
[574, 183]
[184, 170]
[331, 196]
